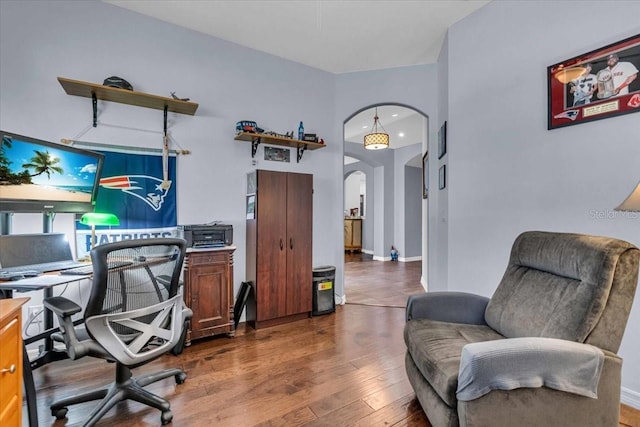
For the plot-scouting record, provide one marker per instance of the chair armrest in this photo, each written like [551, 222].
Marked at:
[64, 309]
[530, 362]
[455, 307]
[62, 306]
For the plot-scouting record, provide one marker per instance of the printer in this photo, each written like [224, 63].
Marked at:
[206, 235]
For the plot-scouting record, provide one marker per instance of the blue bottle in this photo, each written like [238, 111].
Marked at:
[301, 132]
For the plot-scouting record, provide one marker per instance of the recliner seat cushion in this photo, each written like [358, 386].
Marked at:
[436, 348]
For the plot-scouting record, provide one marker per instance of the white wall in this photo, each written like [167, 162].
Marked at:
[353, 187]
[508, 173]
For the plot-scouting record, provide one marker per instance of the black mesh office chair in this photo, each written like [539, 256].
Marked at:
[134, 314]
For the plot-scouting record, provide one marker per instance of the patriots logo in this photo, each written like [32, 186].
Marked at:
[146, 188]
[569, 114]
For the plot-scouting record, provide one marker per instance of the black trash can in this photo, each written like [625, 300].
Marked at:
[324, 301]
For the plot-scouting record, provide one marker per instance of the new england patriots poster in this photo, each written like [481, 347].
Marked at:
[137, 189]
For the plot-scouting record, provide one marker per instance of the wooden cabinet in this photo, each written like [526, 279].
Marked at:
[353, 234]
[11, 362]
[279, 248]
[208, 291]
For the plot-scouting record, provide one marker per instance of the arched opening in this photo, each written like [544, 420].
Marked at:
[394, 210]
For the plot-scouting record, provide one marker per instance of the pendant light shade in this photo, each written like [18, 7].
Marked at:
[376, 140]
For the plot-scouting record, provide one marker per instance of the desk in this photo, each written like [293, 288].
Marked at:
[46, 283]
[11, 361]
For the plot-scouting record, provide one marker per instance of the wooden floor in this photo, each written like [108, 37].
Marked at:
[341, 369]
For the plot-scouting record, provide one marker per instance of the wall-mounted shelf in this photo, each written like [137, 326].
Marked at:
[259, 138]
[123, 96]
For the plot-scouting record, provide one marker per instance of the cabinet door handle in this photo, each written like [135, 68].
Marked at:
[281, 244]
[291, 243]
[11, 370]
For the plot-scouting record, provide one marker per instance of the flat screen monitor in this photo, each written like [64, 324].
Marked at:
[41, 176]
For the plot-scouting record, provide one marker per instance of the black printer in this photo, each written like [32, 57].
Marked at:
[206, 235]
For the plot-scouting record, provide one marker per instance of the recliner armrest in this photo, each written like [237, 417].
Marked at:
[455, 307]
[529, 362]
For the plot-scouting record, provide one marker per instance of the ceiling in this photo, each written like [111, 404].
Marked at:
[404, 126]
[335, 36]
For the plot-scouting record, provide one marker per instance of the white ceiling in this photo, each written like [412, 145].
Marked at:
[338, 36]
[404, 126]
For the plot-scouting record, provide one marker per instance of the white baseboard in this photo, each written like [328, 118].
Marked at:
[340, 299]
[410, 259]
[630, 397]
[381, 258]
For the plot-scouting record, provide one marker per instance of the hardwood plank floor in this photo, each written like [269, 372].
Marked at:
[341, 369]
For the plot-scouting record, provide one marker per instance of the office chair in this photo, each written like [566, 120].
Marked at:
[134, 315]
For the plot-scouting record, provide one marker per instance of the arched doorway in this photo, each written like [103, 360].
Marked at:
[394, 208]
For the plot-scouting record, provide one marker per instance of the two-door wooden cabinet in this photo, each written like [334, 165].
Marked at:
[353, 234]
[208, 291]
[279, 247]
[11, 362]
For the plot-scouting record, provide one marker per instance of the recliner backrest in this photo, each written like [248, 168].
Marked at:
[569, 286]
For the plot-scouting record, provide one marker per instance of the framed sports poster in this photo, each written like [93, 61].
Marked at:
[596, 85]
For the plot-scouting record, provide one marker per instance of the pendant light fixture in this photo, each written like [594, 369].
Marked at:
[376, 140]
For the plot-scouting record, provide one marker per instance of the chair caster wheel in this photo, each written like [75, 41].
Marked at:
[167, 417]
[59, 413]
[181, 378]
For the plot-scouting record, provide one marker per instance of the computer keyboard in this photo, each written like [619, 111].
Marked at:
[44, 267]
[88, 269]
[17, 275]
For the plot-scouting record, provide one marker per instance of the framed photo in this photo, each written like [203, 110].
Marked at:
[251, 206]
[596, 85]
[425, 175]
[442, 140]
[442, 177]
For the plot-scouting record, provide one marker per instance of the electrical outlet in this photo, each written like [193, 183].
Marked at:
[36, 313]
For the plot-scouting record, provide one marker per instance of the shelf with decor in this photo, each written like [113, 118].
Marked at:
[259, 138]
[124, 96]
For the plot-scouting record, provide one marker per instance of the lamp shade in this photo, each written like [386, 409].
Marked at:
[632, 202]
[97, 218]
[376, 141]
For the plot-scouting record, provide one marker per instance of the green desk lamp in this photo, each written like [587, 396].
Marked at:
[97, 218]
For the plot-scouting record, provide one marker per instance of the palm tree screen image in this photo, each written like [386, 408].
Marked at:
[31, 169]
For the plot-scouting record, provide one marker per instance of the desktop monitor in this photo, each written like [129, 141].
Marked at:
[41, 176]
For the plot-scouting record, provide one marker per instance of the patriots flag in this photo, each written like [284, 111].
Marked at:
[134, 188]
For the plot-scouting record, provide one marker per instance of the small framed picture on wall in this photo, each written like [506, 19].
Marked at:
[442, 140]
[425, 175]
[442, 177]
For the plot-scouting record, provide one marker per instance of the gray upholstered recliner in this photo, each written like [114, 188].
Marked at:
[540, 350]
